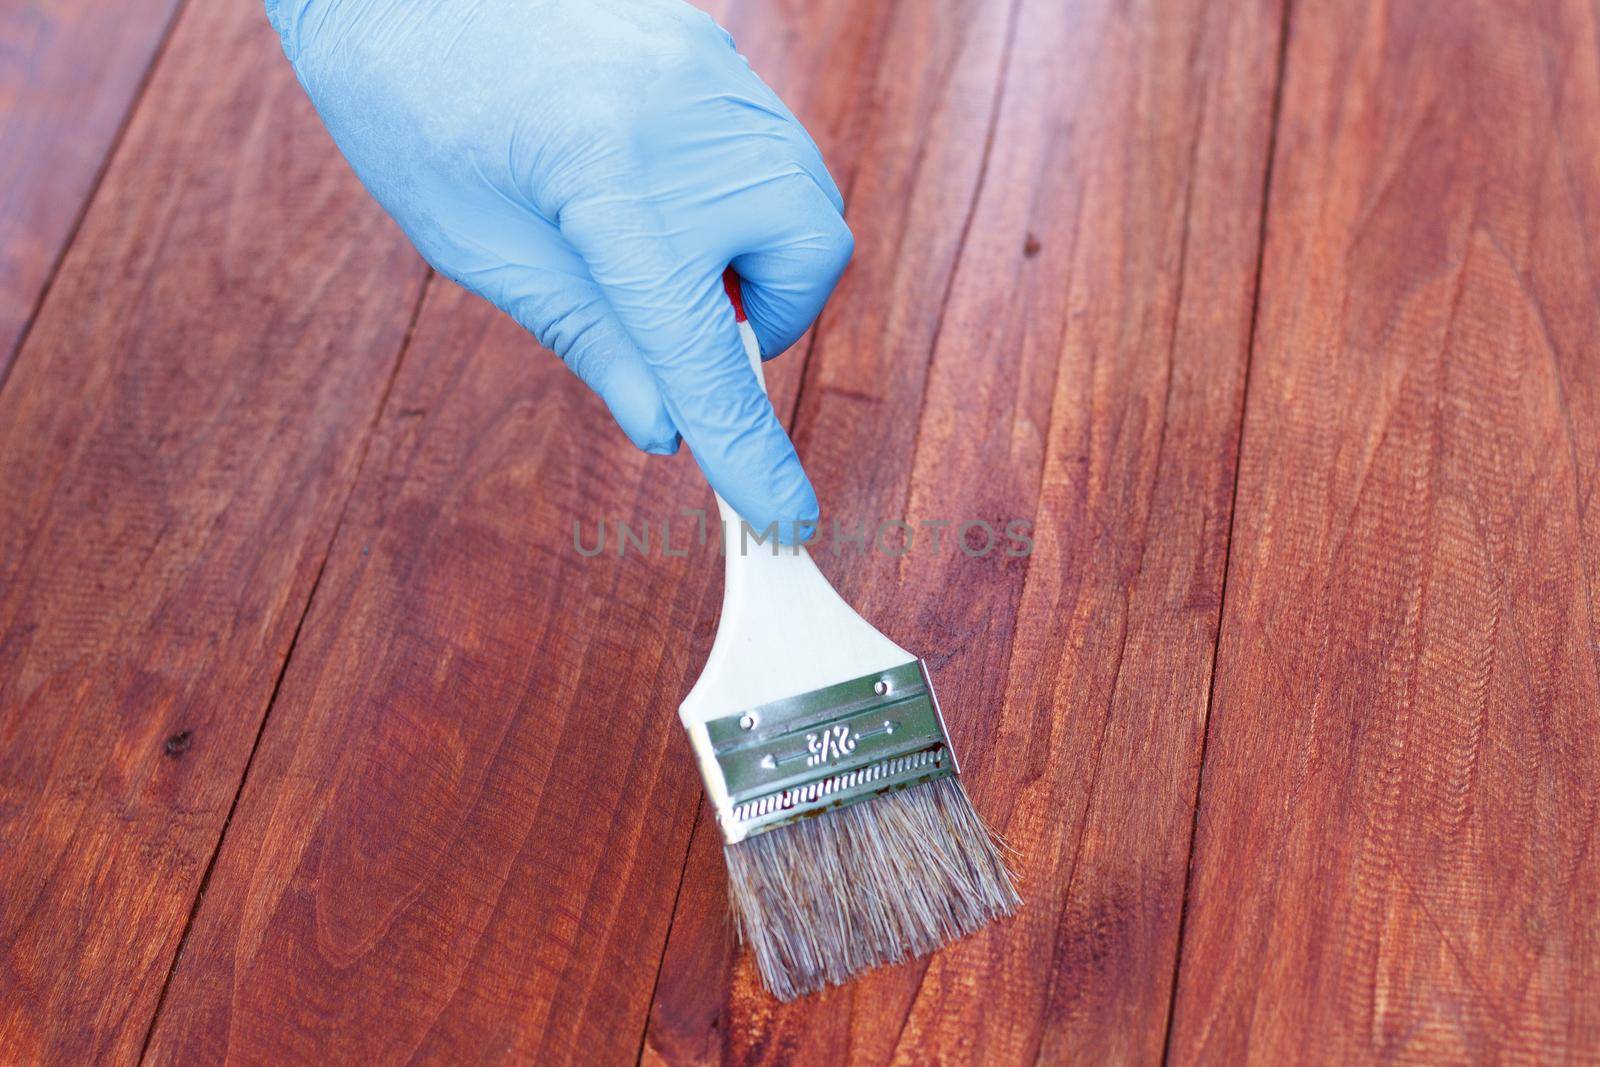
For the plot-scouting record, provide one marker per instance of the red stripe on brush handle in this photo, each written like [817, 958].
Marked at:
[730, 285]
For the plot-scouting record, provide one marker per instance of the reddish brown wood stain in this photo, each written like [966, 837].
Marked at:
[177, 439]
[1396, 854]
[71, 72]
[1093, 240]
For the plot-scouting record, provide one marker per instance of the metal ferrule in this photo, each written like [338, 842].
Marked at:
[829, 748]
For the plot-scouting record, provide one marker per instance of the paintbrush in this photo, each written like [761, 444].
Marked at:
[850, 842]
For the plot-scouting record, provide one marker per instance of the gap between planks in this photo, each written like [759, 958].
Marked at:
[1233, 510]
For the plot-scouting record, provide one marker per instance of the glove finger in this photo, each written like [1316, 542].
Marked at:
[791, 274]
[585, 333]
[674, 308]
[518, 261]
[569, 316]
[798, 143]
[756, 95]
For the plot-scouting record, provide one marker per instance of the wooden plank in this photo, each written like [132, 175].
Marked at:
[177, 438]
[1396, 857]
[69, 73]
[466, 824]
[1085, 370]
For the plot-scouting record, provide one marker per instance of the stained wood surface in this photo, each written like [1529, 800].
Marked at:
[69, 73]
[1397, 856]
[177, 439]
[321, 742]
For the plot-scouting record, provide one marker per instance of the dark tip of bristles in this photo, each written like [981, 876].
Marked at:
[874, 883]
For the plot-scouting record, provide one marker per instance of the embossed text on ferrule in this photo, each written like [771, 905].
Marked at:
[830, 744]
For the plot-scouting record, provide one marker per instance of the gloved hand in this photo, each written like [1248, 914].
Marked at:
[591, 166]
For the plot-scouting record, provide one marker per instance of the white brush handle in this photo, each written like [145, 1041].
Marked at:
[752, 350]
[783, 631]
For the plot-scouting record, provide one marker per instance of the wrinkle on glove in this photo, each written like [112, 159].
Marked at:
[591, 167]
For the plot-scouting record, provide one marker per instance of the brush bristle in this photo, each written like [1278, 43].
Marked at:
[869, 884]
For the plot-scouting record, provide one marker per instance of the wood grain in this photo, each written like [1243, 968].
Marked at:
[69, 73]
[465, 827]
[469, 828]
[1073, 312]
[177, 438]
[1396, 857]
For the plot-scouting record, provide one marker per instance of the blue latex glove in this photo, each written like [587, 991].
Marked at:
[591, 166]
